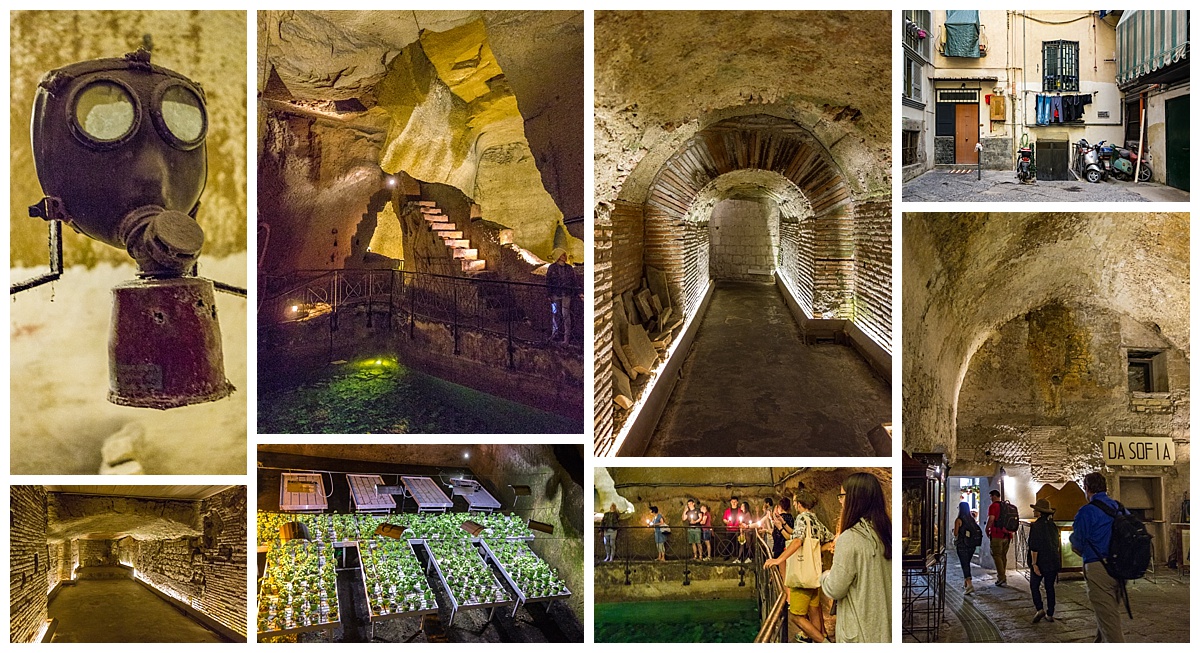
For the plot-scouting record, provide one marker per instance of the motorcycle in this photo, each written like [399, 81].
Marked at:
[1087, 162]
[1025, 170]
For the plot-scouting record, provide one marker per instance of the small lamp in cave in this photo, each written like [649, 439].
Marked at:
[541, 527]
[472, 527]
[521, 490]
[294, 530]
[390, 530]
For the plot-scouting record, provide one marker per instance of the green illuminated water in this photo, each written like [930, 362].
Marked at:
[717, 620]
[382, 396]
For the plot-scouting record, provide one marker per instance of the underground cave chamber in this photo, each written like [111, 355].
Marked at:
[420, 202]
[1039, 348]
[725, 595]
[427, 543]
[128, 563]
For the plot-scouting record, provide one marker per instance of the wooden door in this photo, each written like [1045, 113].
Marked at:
[966, 133]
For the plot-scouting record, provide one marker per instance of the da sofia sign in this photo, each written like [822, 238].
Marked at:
[1139, 451]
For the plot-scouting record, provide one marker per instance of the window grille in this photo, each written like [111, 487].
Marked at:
[1060, 66]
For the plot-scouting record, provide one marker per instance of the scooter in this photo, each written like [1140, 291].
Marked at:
[1121, 162]
[1126, 162]
[1025, 170]
[1087, 162]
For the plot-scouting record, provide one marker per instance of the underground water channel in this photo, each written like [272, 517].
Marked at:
[382, 395]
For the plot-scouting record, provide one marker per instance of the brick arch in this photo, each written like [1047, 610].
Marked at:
[818, 254]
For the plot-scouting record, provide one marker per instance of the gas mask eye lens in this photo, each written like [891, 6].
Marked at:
[183, 114]
[104, 111]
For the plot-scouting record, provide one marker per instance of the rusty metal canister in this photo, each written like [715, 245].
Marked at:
[165, 344]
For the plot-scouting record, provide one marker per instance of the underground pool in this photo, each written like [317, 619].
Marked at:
[714, 620]
[381, 395]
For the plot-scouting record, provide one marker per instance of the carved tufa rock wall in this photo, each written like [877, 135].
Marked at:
[349, 96]
[969, 274]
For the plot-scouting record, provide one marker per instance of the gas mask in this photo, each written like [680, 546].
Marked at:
[119, 149]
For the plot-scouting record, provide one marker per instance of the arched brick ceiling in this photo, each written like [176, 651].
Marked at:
[756, 183]
[754, 142]
[967, 274]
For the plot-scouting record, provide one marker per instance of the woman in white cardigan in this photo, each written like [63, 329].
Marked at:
[860, 579]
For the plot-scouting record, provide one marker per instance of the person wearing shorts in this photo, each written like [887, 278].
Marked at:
[691, 517]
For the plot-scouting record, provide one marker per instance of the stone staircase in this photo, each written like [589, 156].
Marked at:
[460, 247]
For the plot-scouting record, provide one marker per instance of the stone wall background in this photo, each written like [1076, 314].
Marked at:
[97, 553]
[969, 274]
[488, 102]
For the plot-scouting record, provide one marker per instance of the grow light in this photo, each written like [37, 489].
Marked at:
[426, 493]
[302, 492]
[365, 497]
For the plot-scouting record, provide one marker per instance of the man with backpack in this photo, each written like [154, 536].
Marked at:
[1115, 548]
[1002, 522]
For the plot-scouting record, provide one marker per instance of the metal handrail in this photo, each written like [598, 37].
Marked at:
[514, 310]
[774, 620]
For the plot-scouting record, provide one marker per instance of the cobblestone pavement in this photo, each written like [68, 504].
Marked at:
[1002, 186]
[1160, 606]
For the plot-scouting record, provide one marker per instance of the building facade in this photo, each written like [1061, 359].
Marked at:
[1153, 74]
[1002, 79]
[917, 99]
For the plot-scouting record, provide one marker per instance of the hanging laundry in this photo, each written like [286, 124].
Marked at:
[1073, 106]
[1056, 109]
[1043, 109]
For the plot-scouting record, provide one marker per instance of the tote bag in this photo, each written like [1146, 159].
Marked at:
[804, 567]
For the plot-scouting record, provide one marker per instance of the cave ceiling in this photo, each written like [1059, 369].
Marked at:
[487, 102]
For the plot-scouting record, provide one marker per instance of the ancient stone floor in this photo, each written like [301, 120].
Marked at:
[1002, 186]
[1160, 606]
[121, 610]
[751, 387]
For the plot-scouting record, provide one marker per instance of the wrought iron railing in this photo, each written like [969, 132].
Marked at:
[517, 311]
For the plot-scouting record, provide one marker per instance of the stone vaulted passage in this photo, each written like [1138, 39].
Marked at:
[751, 387]
[95, 564]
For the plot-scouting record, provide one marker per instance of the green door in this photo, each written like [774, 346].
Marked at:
[1178, 130]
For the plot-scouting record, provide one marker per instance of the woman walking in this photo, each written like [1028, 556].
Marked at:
[861, 577]
[967, 537]
[1045, 559]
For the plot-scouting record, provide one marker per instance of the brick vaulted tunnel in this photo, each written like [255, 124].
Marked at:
[743, 275]
[128, 563]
